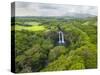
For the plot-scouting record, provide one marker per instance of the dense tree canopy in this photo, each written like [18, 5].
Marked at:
[37, 48]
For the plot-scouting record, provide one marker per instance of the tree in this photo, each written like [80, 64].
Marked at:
[77, 66]
[58, 65]
[56, 52]
[88, 54]
[47, 44]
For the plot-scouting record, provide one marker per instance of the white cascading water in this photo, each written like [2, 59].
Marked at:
[61, 38]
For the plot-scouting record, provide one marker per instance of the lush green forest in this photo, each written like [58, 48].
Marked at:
[37, 47]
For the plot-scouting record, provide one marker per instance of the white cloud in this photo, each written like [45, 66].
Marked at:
[42, 9]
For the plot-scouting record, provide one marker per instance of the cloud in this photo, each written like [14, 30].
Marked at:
[43, 9]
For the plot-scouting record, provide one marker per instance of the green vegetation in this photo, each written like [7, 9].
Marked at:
[37, 48]
[30, 28]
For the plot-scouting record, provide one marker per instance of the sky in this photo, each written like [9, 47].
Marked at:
[44, 9]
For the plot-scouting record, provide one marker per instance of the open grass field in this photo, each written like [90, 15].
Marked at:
[30, 28]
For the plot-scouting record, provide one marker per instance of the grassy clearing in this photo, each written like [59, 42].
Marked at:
[30, 28]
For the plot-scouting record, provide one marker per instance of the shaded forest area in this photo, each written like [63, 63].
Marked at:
[37, 48]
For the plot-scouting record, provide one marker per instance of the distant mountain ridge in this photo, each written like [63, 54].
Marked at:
[67, 16]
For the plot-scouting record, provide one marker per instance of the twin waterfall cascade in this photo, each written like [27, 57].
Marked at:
[61, 38]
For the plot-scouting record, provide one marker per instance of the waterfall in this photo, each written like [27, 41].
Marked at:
[61, 38]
